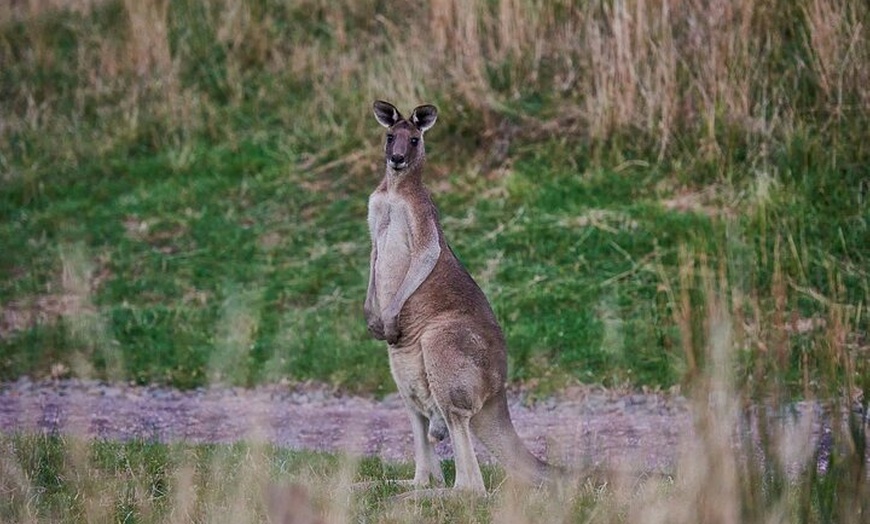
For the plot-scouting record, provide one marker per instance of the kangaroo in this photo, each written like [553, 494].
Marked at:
[446, 349]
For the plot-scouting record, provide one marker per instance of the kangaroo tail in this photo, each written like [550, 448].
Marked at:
[492, 425]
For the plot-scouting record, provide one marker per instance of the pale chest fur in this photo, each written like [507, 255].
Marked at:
[390, 230]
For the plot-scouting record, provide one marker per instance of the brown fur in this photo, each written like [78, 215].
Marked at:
[446, 349]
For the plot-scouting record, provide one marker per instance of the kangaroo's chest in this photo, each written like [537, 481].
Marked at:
[389, 223]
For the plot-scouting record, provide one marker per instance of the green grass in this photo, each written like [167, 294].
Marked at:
[230, 269]
[51, 478]
[229, 241]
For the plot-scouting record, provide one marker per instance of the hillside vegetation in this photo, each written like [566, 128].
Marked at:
[184, 183]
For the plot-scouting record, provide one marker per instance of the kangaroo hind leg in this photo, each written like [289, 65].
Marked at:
[427, 467]
[468, 476]
[457, 383]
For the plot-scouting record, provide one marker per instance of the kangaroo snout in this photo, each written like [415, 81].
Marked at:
[397, 161]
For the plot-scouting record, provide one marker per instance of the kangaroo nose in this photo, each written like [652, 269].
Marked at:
[397, 159]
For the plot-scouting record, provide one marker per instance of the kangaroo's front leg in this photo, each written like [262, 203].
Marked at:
[371, 309]
[378, 219]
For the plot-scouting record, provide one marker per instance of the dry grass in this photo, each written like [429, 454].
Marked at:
[23, 9]
[836, 37]
[653, 69]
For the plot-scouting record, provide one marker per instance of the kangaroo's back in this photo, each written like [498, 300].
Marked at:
[450, 292]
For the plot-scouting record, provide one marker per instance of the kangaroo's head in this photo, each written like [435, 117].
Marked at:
[404, 144]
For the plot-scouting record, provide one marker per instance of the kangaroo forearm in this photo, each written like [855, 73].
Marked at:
[371, 303]
[420, 269]
[371, 307]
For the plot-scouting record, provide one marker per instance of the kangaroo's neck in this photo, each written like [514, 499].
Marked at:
[407, 178]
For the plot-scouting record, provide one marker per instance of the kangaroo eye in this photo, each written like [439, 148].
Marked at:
[390, 137]
[414, 140]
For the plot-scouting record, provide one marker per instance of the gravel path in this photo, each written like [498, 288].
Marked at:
[584, 425]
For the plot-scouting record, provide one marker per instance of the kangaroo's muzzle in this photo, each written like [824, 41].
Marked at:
[398, 162]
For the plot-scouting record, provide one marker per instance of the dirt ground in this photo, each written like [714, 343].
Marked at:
[582, 426]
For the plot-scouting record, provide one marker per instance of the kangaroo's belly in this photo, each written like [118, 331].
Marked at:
[409, 372]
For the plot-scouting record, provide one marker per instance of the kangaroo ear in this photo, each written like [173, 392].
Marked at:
[386, 113]
[424, 116]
